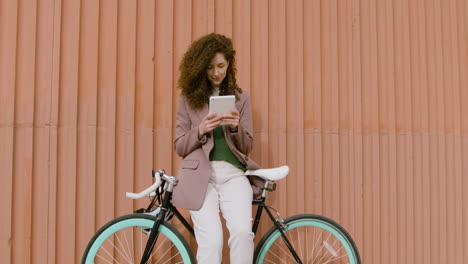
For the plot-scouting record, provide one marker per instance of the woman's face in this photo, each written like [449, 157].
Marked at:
[217, 69]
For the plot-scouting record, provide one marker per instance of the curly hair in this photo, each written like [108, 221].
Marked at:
[193, 77]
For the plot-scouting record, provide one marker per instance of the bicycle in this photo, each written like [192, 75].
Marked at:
[147, 235]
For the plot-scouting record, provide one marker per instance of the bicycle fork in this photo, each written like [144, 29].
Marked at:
[279, 223]
[153, 237]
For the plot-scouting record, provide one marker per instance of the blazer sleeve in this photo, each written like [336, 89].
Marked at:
[243, 138]
[186, 140]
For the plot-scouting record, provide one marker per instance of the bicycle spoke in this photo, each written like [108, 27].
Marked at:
[165, 253]
[334, 256]
[133, 249]
[277, 257]
[323, 246]
[316, 242]
[284, 251]
[171, 258]
[122, 251]
[291, 241]
[109, 254]
[141, 243]
[307, 244]
[300, 246]
[157, 249]
[129, 250]
[162, 241]
[99, 256]
[116, 248]
[330, 248]
[331, 260]
[115, 243]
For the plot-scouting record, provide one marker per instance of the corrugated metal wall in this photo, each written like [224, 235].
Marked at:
[365, 100]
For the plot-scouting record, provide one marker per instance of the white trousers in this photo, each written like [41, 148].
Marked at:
[228, 190]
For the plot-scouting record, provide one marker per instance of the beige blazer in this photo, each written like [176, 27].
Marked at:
[195, 169]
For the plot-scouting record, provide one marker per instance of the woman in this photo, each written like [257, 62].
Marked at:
[212, 176]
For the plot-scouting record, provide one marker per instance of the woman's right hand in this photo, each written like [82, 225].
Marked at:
[209, 122]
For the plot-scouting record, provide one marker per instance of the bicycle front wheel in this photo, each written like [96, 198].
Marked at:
[123, 240]
[315, 239]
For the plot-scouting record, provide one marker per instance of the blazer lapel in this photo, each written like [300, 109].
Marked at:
[201, 113]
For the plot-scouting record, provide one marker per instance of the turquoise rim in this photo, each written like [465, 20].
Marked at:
[309, 222]
[131, 223]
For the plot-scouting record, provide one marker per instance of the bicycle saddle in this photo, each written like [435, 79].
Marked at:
[273, 174]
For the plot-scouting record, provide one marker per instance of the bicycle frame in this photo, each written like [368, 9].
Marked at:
[166, 206]
[279, 224]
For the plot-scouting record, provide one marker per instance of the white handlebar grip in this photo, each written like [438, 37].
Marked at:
[147, 191]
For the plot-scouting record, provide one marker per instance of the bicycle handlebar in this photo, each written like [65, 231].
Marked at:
[148, 191]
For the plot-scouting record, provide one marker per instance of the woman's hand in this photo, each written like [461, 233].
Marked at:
[232, 119]
[209, 122]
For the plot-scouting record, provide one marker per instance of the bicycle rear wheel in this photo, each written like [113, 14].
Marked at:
[316, 239]
[123, 240]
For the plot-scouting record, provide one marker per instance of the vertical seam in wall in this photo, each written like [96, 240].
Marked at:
[174, 81]
[363, 228]
[456, 85]
[13, 139]
[426, 40]
[462, 135]
[339, 193]
[321, 119]
[268, 48]
[96, 155]
[33, 134]
[153, 129]
[52, 127]
[96, 168]
[14, 132]
[458, 149]
[442, 203]
[411, 127]
[250, 53]
[77, 137]
[135, 101]
[379, 135]
[58, 122]
[283, 88]
[304, 102]
[192, 15]
[135, 92]
[282, 136]
[116, 108]
[215, 16]
[232, 23]
[396, 122]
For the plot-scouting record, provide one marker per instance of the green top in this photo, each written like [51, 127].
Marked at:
[221, 150]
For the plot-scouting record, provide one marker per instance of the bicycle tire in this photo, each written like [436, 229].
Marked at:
[272, 247]
[117, 241]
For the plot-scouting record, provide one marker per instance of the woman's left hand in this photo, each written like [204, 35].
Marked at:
[232, 119]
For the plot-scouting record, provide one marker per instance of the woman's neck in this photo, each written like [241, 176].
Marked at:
[215, 91]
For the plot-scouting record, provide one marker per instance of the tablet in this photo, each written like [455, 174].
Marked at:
[221, 104]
